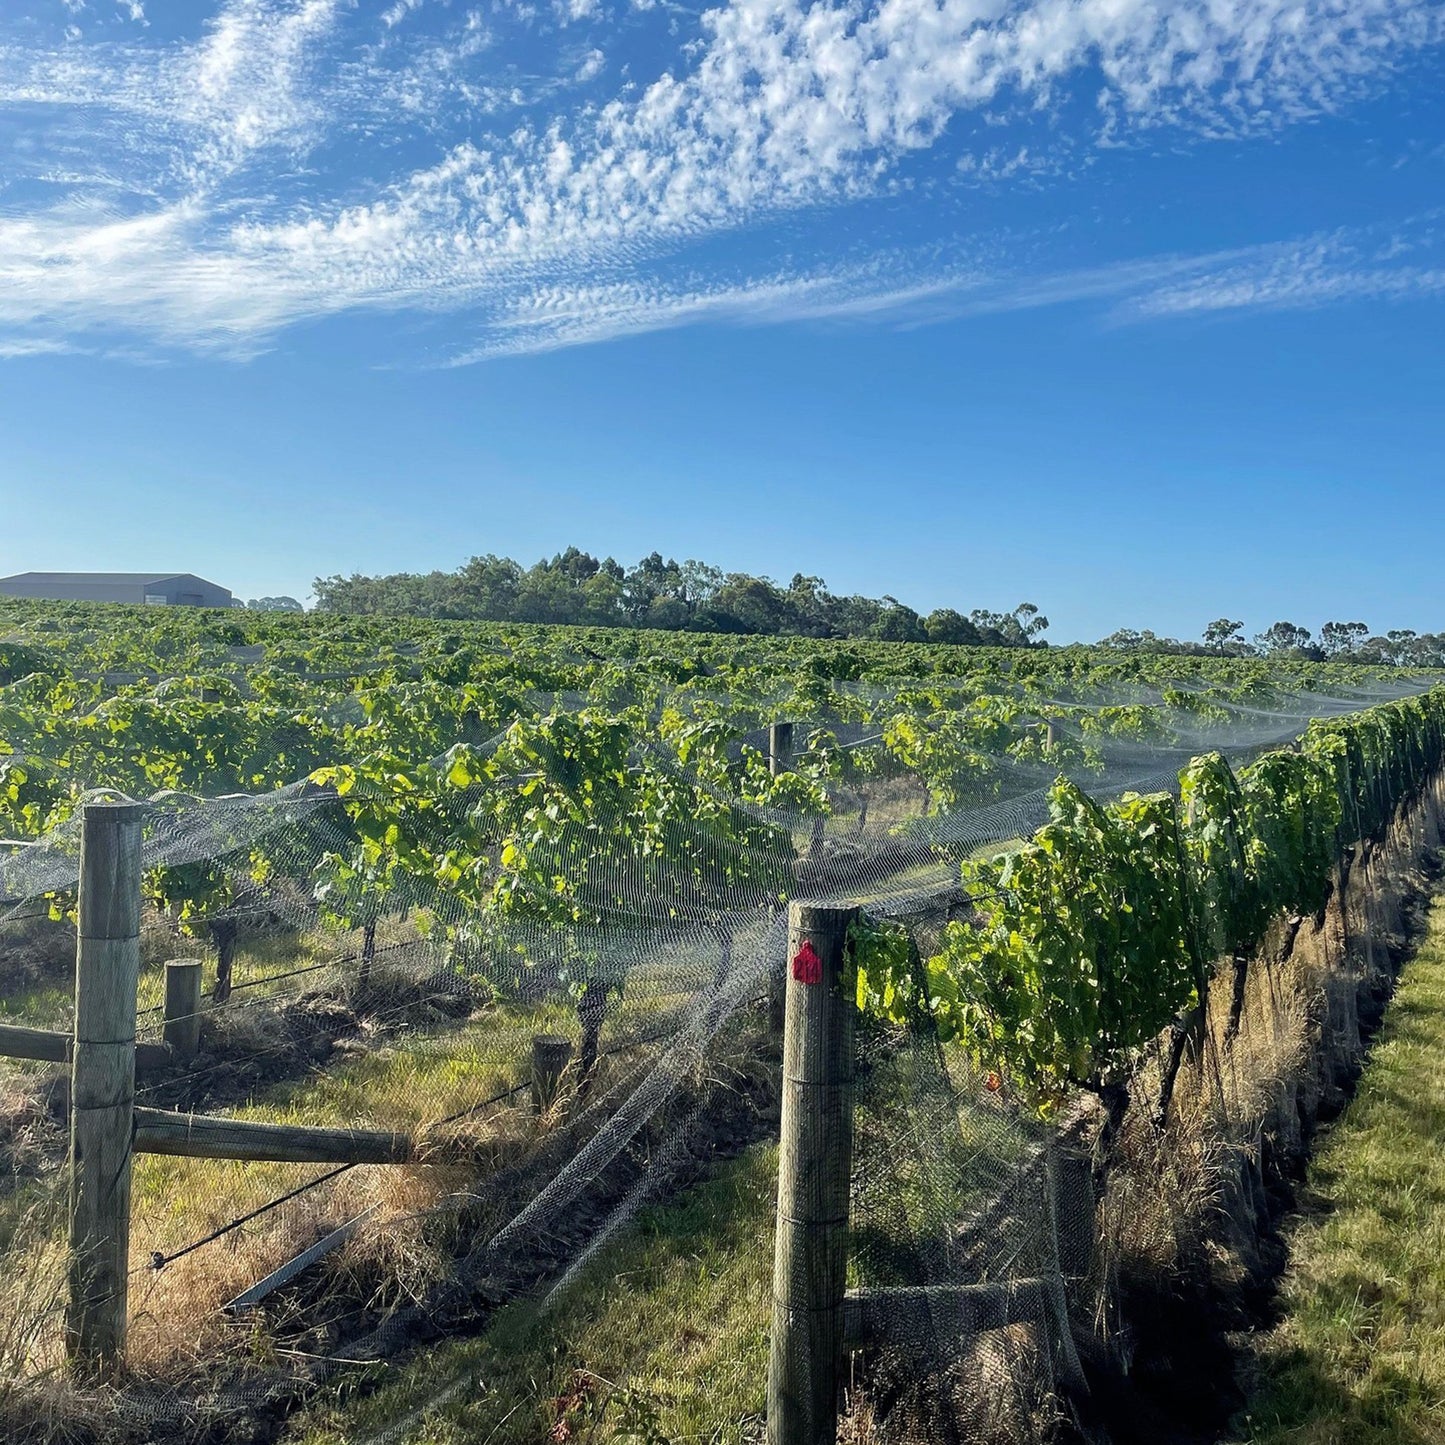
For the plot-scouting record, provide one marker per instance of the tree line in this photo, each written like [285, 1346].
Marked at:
[578, 588]
[1336, 642]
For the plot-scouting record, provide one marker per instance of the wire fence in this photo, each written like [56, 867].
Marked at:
[602, 1236]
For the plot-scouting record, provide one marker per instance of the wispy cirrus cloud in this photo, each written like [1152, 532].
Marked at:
[208, 187]
[1321, 271]
[900, 291]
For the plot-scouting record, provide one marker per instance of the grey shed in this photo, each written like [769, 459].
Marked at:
[173, 589]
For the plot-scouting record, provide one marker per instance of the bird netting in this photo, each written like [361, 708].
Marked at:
[550, 957]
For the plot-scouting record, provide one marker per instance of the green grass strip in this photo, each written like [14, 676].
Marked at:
[1359, 1356]
[662, 1339]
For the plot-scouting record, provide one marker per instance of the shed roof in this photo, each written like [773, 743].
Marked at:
[100, 577]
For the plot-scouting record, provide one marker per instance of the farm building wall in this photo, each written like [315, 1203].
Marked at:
[178, 589]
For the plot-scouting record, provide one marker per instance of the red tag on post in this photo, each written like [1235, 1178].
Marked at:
[807, 966]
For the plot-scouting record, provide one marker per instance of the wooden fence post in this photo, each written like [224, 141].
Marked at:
[550, 1056]
[780, 748]
[181, 1028]
[814, 1161]
[102, 1084]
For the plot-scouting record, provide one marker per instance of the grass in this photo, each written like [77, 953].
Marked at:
[37, 967]
[664, 1331]
[406, 1080]
[1359, 1356]
[31, 1224]
[661, 1337]
[416, 1079]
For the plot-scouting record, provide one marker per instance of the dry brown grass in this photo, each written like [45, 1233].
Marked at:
[36, 1401]
[418, 1216]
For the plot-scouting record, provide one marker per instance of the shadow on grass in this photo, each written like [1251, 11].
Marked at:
[1305, 1404]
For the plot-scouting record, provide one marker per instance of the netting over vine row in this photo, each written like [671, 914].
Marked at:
[387, 942]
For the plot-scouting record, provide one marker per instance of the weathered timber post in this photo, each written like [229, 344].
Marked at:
[780, 748]
[550, 1056]
[102, 1084]
[182, 1017]
[814, 1160]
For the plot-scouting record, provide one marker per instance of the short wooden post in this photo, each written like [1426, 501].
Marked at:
[182, 1018]
[815, 1157]
[102, 1084]
[550, 1057]
[780, 748]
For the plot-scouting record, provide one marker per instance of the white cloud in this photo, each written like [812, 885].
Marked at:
[244, 87]
[900, 291]
[186, 114]
[184, 199]
[395, 14]
[1318, 272]
[37, 346]
[553, 317]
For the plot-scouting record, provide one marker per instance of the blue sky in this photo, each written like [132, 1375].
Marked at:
[1131, 308]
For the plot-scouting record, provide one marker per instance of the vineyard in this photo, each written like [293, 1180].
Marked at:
[480, 969]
